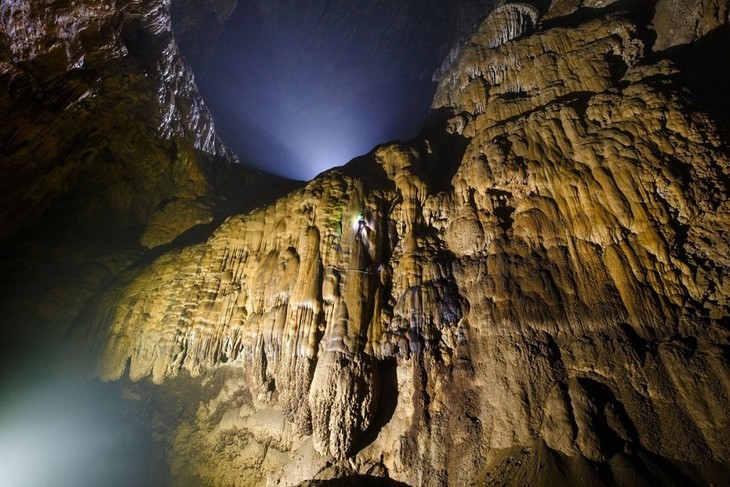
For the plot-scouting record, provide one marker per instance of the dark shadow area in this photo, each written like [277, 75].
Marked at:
[638, 343]
[603, 398]
[641, 12]
[646, 468]
[387, 402]
[540, 466]
[357, 481]
[448, 149]
[46, 277]
[502, 210]
[705, 70]
[369, 172]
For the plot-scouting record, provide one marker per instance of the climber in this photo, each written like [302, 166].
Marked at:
[361, 224]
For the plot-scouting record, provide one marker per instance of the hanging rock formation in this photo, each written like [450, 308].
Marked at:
[106, 151]
[535, 290]
[565, 299]
[508, 22]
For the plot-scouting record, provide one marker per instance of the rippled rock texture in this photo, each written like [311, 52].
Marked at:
[539, 282]
[534, 291]
[106, 151]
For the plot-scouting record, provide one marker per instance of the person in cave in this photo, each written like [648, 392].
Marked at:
[362, 224]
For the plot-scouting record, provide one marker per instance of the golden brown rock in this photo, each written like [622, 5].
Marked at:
[558, 296]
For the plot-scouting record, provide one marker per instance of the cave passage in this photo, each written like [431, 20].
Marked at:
[296, 88]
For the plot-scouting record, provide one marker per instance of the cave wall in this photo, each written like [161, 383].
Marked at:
[534, 290]
[103, 122]
[107, 151]
[564, 299]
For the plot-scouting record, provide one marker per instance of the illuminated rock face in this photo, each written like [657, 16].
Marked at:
[539, 280]
[507, 23]
[568, 293]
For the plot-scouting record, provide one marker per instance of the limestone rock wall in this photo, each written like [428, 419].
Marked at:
[568, 293]
[106, 151]
[102, 118]
[49, 42]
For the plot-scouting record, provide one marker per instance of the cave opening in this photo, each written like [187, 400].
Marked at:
[298, 87]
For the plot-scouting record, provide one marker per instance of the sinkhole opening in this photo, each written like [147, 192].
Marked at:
[296, 88]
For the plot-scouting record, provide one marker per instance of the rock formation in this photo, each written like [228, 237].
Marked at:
[508, 22]
[102, 114]
[535, 290]
[106, 145]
